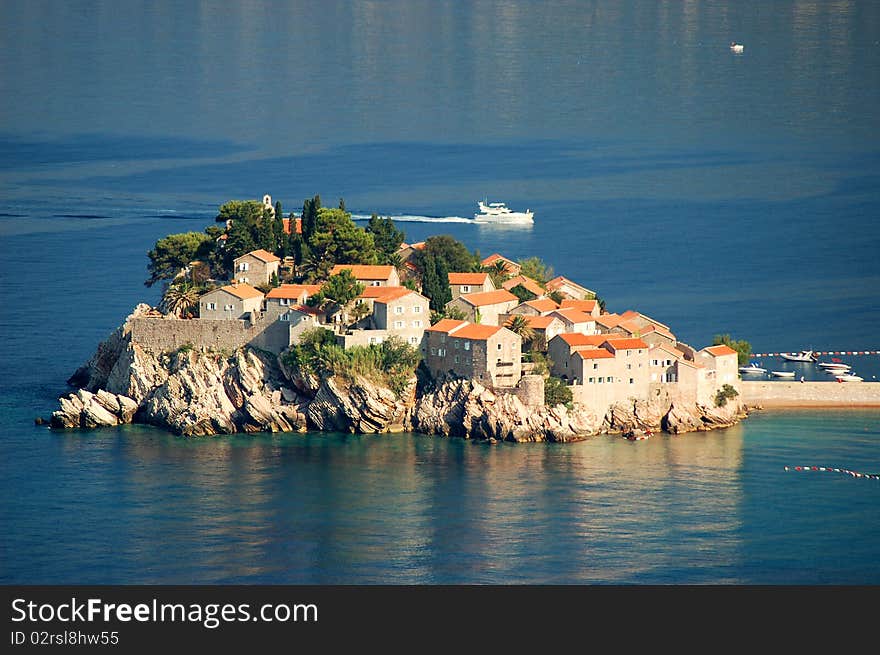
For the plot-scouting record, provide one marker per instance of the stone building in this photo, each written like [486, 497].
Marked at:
[230, 302]
[575, 320]
[537, 307]
[569, 289]
[590, 307]
[256, 267]
[490, 354]
[399, 311]
[486, 308]
[526, 283]
[282, 298]
[465, 283]
[370, 275]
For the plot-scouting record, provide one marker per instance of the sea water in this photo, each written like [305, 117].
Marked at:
[718, 193]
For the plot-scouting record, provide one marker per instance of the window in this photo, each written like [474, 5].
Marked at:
[433, 351]
[465, 288]
[669, 362]
[284, 317]
[467, 345]
[398, 324]
[417, 309]
[631, 381]
[372, 340]
[601, 380]
[441, 352]
[592, 380]
[398, 309]
[284, 301]
[595, 366]
[228, 308]
[413, 340]
[244, 266]
[628, 353]
[456, 359]
[457, 344]
[654, 362]
[629, 365]
[499, 346]
[375, 283]
[211, 305]
[418, 324]
[498, 361]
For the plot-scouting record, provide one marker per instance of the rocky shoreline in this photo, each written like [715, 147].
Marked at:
[198, 393]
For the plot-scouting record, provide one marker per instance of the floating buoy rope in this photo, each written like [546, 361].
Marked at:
[829, 469]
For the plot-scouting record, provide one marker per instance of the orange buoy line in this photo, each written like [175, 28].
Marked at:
[822, 352]
[829, 469]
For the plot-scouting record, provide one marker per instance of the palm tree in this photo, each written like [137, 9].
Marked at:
[497, 272]
[519, 324]
[180, 299]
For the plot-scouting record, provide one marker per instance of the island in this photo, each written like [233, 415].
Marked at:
[312, 323]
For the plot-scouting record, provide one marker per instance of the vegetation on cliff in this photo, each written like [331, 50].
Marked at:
[391, 363]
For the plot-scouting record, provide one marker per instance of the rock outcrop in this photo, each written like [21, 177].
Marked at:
[197, 392]
[462, 408]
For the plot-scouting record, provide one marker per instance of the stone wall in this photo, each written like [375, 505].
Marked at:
[163, 334]
[810, 394]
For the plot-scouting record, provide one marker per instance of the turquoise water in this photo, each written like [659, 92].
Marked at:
[715, 192]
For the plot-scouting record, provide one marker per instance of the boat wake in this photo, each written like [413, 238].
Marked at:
[408, 218]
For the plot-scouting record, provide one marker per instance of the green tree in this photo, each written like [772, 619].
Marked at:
[535, 268]
[281, 240]
[310, 217]
[454, 254]
[237, 210]
[522, 293]
[497, 272]
[239, 240]
[556, 392]
[743, 348]
[519, 324]
[266, 232]
[339, 290]
[724, 394]
[172, 253]
[338, 240]
[386, 236]
[435, 282]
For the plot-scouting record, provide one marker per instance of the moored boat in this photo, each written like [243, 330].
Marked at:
[831, 366]
[802, 356]
[752, 369]
[849, 377]
[782, 374]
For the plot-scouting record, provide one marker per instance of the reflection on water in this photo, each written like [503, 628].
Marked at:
[136, 505]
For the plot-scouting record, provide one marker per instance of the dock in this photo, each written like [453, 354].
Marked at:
[844, 395]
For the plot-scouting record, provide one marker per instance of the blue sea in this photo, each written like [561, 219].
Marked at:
[716, 192]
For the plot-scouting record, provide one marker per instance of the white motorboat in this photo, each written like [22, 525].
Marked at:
[782, 374]
[802, 356]
[849, 377]
[830, 366]
[837, 371]
[498, 212]
[751, 369]
[737, 47]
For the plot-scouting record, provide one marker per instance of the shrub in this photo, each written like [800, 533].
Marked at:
[556, 392]
[724, 394]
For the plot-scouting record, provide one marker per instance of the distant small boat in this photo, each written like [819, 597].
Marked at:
[849, 377]
[831, 366]
[782, 374]
[751, 368]
[737, 47]
[802, 356]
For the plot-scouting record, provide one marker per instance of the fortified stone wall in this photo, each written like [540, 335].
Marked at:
[163, 334]
[810, 394]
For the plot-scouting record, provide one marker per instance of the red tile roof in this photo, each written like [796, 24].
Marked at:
[488, 298]
[626, 344]
[262, 255]
[537, 322]
[293, 290]
[595, 353]
[718, 351]
[386, 294]
[475, 279]
[477, 332]
[511, 266]
[543, 305]
[242, 290]
[574, 316]
[364, 271]
[305, 309]
[526, 283]
[586, 306]
[560, 280]
[447, 325]
[298, 224]
[608, 320]
[578, 339]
